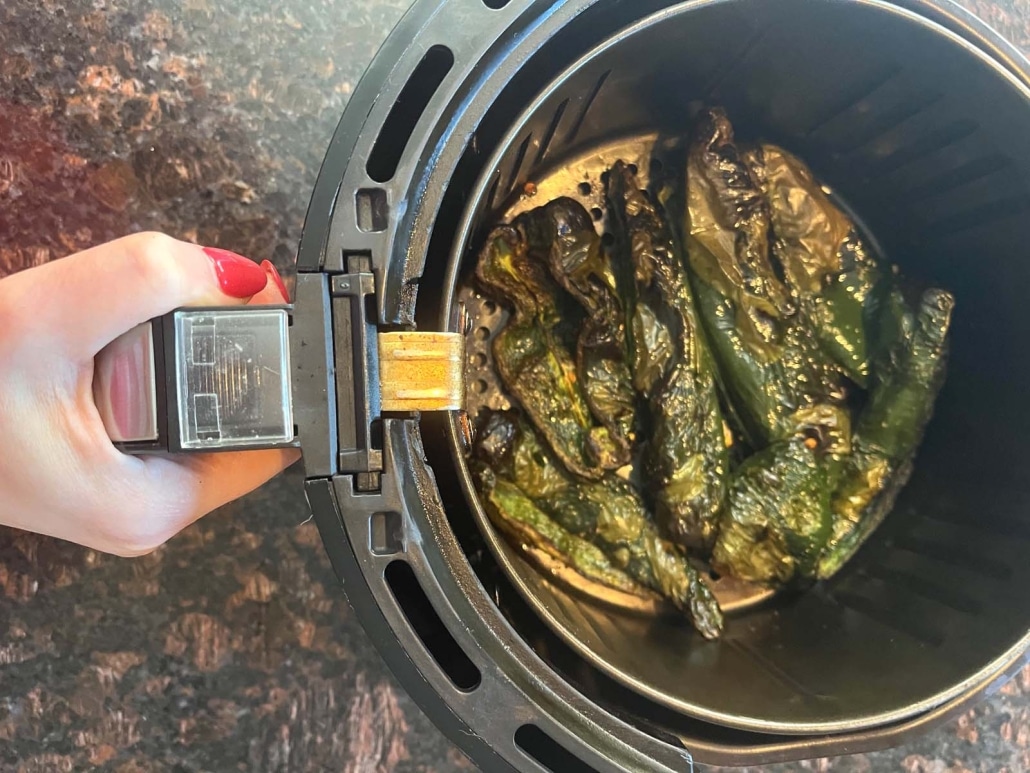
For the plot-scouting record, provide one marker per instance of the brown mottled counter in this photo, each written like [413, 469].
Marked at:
[231, 648]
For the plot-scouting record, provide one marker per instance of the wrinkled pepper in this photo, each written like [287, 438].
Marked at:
[686, 456]
[777, 517]
[890, 428]
[825, 263]
[770, 364]
[524, 523]
[562, 234]
[533, 362]
[610, 514]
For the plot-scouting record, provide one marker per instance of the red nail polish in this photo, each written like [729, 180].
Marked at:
[238, 276]
[271, 270]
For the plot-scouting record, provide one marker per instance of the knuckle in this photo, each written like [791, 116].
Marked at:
[155, 501]
[150, 259]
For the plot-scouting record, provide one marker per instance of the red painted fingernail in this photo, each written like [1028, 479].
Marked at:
[238, 276]
[271, 270]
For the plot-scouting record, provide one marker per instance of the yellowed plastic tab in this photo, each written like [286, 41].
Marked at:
[421, 371]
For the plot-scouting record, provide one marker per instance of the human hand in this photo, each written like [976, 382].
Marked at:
[59, 472]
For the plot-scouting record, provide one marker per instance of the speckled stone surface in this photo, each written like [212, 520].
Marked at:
[231, 648]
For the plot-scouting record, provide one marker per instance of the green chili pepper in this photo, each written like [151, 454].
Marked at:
[908, 377]
[777, 516]
[524, 523]
[686, 455]
[824, 261]
[535, 365]
[770, 364]
[609, 513]
[562, 234]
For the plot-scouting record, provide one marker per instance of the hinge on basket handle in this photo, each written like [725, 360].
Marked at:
[384, 372]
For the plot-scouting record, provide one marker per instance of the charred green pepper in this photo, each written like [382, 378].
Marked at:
[562, 234]
[770, 363]
[611, 515]
[728, 228]
[777, 517]
[825, 262]
[535, 365]
[890, 428]
[686, 456]
[524, 523]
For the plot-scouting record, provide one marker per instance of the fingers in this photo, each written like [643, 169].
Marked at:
[81, 303]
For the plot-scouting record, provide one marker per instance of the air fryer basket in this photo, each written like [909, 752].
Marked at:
[917, 117]
[931, 149]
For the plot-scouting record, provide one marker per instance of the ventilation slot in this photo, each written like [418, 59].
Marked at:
[955, 555]
[535, 743]
[387, 534]
[926, 145]
[851, 97]
[520, 158]
[975, 170]
[372, 211]
[417, 608]
[876, 129]
[496, 4]
[979, 217]
[897, 619]
[952, 597]
[574, 132]
[410, 104]
[545, 145]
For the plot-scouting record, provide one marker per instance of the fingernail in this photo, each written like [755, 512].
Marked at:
[271, 270]
[239, 277]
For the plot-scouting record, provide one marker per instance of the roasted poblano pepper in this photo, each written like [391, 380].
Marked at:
[728, 227]
[686, 457]
[611, 515]
[562, 234]
[778, 307]
[533, 362]
[907, 380]
[524, 523]
[770, 363]
[825, 263]
[777, 517]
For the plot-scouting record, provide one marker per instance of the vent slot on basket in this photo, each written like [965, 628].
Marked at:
[372, 210]
[419, 611]
[551, 755]
[411, 103]
[496, 5]
[387, 535]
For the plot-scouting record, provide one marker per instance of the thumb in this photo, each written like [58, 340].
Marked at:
[81, 303]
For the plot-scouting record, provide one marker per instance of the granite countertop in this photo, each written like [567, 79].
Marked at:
[232, 647]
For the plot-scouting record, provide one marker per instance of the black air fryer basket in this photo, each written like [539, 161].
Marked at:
[918, 118]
